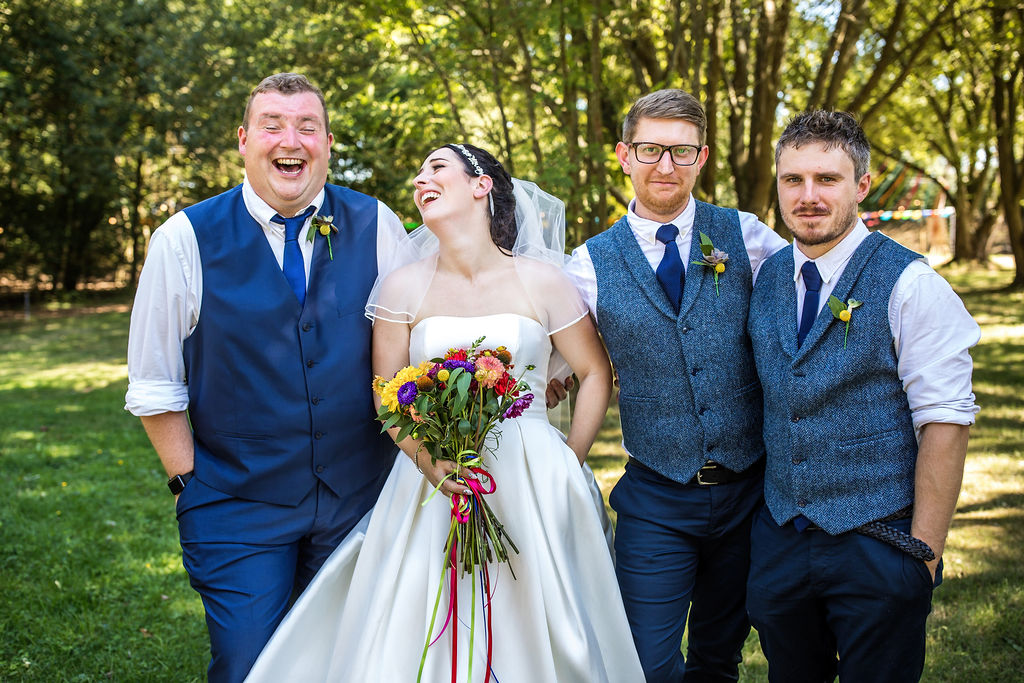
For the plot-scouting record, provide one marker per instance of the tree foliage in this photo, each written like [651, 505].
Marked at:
[116, 113]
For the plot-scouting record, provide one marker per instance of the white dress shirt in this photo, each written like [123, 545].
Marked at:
[759, 240]
[170, 292]
[931, 329]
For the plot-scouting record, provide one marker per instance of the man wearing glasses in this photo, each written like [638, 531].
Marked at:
[669, 285]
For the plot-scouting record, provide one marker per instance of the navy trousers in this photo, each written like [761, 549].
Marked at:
[248, 559]
[826, 605]
[683, 549]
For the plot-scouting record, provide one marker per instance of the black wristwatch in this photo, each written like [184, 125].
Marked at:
[177, 483]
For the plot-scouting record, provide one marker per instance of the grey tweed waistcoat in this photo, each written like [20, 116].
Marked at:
[837, 425]
[689, 391]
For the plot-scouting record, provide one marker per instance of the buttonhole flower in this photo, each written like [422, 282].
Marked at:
[713, 258]
[324, 226]
[843, 312]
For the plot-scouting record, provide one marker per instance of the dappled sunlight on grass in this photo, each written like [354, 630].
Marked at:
[78, 377]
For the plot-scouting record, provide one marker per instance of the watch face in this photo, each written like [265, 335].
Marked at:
[177, 483]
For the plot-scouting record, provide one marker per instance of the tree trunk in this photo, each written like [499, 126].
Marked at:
[135, 223]
[759, 185]
[595, 155]
[708, 180]
[1005, 103]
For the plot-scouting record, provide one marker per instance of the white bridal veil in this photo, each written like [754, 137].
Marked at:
[539, 253]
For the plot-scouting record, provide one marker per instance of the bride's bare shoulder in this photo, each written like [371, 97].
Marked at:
[540, 275]
[411, 274]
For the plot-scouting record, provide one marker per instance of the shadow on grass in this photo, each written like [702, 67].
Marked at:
[998, 502]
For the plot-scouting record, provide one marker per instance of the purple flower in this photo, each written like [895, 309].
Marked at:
[451, 364]
[518, 406]
[407, 393]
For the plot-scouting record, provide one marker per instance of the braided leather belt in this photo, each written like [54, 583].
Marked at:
[881, 531]
[900, 540]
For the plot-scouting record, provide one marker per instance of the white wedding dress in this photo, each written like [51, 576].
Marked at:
[366, 615]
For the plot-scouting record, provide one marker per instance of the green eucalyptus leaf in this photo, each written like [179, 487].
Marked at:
[836, 306]
[705, 245]
[465, 428]
[405, 431]
[463, 383]
[392, 421]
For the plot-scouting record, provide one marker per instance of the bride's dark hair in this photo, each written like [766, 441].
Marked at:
[503, 218]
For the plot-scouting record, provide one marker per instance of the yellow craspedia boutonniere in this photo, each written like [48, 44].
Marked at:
[843, 312]
[324, 226]
[713, 258]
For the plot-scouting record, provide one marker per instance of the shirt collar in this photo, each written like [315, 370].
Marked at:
[647, 229]
[263, 212]
[835, 258]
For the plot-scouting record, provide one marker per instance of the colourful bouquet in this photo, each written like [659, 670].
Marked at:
[452, 406]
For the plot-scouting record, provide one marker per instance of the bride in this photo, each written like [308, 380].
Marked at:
[490, 256]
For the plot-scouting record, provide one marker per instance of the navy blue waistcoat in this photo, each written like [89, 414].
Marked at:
[279, 394]
[837, 425]
[689, 391]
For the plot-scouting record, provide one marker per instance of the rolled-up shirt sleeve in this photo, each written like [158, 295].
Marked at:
[165, 312]
[933, 333]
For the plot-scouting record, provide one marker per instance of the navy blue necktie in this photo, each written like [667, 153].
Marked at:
[293, 266]
[670, 271]
[812, 281]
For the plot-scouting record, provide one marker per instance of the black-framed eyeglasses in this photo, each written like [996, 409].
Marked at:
[651, 153]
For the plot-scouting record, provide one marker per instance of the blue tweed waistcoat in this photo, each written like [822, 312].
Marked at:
[689, 391]
[279, 394]
[837, 425]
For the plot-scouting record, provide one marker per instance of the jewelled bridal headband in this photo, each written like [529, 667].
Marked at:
[472, 159]
[476, 167]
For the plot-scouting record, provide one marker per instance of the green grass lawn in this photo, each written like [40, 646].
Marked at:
[90, 568]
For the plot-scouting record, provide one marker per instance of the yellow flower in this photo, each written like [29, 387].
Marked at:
[442, 375]
[407, 374]
[388, 390]
[719, 267]
[325, 230]
[389, 396]
[844, 315]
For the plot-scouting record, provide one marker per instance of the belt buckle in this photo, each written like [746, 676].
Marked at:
[709, 466]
